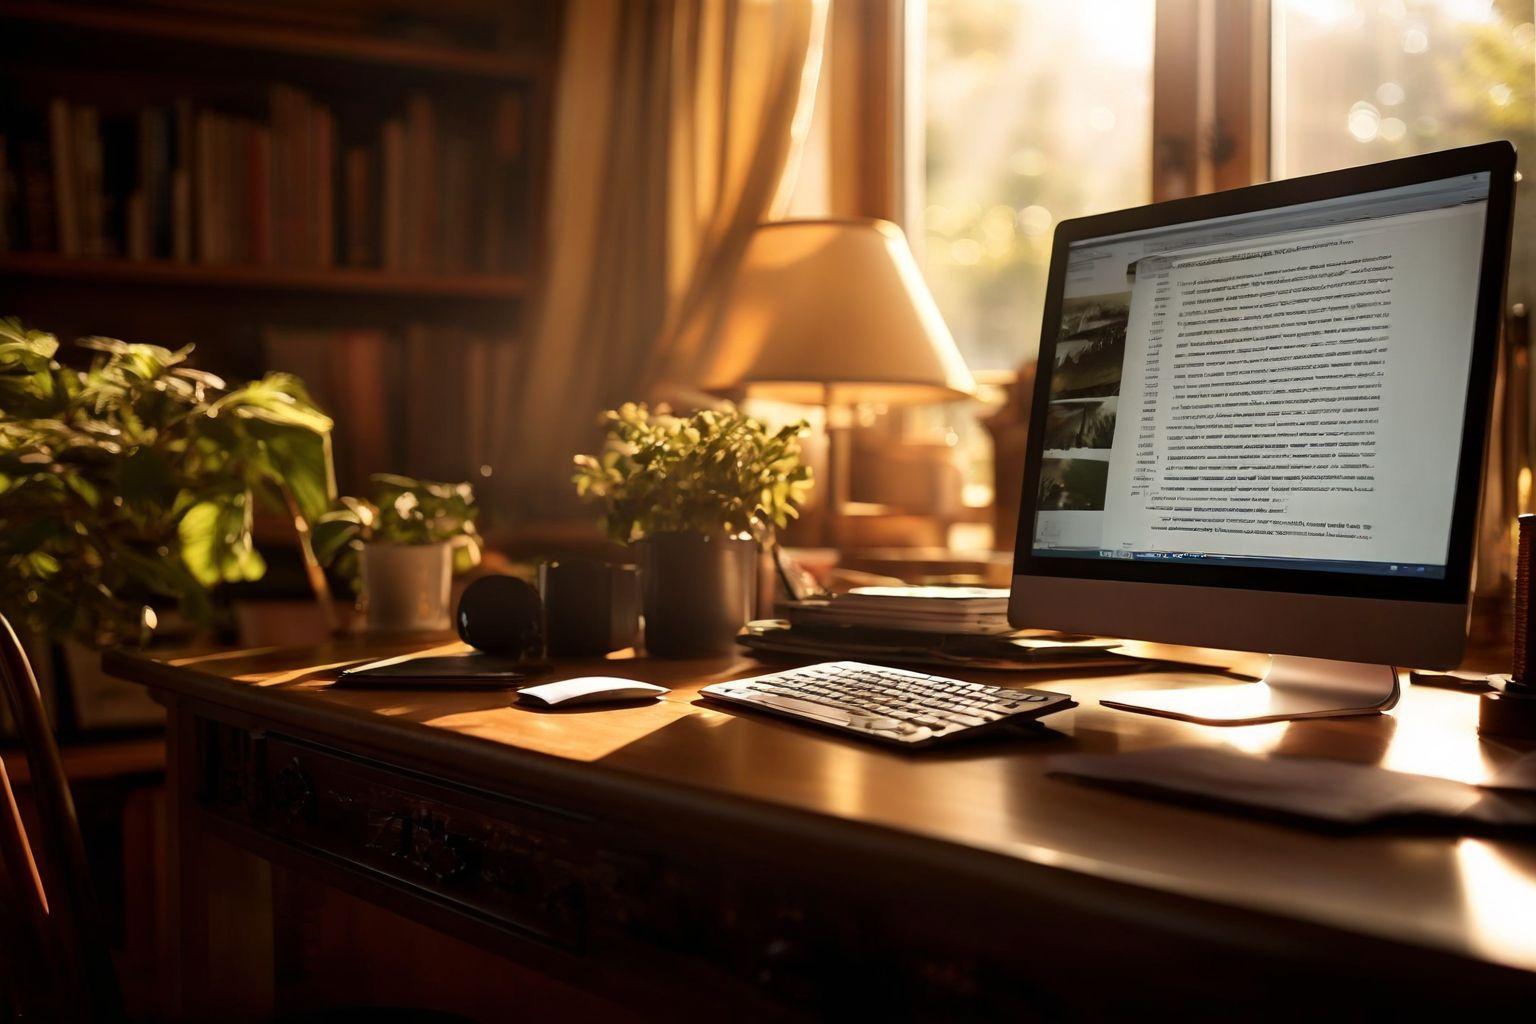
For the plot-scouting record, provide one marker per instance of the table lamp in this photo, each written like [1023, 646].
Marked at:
[835, 312]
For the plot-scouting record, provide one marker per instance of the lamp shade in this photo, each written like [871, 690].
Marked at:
[835, 311]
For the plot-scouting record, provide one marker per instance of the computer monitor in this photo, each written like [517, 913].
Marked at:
[1259, 424]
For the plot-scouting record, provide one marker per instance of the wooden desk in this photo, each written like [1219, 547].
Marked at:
[681, 855]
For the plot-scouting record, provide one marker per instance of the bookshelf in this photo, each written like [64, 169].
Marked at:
[404, 353]
[350, 191]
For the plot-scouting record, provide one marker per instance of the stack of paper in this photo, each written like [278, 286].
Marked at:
[963, 610]
[958, 626]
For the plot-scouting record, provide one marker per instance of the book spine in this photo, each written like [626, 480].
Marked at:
[88, 182]
[160, 194]
[237, 143]
[61, 130]
[421, 214]
[454, 206]
[202, 187]
[40, 218]
[303, 180]
[182, 190]
[283, 173]
[144, 173]
[360, 212]
[324, 214]
[259, 194]
[511, 181]
[392, 148]
[138, 225]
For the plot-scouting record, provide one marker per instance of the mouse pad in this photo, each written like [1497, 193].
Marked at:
[443, 671]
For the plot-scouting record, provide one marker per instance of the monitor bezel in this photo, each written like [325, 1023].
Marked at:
[1497, 158]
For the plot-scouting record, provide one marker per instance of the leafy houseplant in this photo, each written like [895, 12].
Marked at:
[693, 494]
[402, 548]
[137, 480]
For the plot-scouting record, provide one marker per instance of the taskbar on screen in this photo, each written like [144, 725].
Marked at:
[1414, 569]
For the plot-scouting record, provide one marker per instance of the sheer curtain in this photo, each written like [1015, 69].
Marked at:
[677, 128]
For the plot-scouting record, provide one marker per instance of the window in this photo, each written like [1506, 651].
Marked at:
[1034, 111]
[1031, 111]
[1405, 78]
[1026, 112]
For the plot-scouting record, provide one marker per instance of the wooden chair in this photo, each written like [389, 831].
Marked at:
[56, 964]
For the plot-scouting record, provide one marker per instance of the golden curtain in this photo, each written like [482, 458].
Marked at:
[675, 124]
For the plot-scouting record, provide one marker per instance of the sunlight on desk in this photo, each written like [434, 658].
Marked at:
[212, 656]
[1254, 739]
[1500, 893]
[1439, 739]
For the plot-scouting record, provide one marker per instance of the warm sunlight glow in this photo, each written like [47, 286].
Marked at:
[1036, 111]
[1254, 739]
[1444, 744]
[221, 655]
[1500, 891]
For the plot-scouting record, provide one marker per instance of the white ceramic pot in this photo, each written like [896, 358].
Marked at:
[406, 587]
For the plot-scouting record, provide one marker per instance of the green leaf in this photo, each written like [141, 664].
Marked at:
[164, 575]
[216, 542]
[301, 461]
[334, 533]
[278, 398]
[30, 381]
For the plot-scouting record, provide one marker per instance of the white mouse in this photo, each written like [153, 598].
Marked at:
[588, 690]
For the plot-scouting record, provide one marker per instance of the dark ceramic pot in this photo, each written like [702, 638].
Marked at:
[696, 591]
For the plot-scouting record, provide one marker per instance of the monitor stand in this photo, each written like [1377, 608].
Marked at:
[1292, 688]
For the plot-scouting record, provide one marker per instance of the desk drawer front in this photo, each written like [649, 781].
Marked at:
[516, 865]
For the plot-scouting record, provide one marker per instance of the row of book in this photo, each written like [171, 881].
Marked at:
[424, 191]
[446, 425]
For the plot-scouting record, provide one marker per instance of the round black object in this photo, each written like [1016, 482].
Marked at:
[502, 615]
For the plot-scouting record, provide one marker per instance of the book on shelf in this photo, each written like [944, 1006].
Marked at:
[459, 383]
[442, 427]
[349, 374]
[282, 180]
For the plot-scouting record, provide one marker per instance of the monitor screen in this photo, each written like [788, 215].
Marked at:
[1281, 388]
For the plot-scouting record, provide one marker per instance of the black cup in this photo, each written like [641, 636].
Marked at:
[591, 607]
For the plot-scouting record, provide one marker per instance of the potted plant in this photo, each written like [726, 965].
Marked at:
[134, 483]
[694, 495]
[402, 548]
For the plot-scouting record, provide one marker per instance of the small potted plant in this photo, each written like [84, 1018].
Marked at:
[694, 495]
[402, 548]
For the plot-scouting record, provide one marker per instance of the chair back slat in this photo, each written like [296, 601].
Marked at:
[73, 941]
[26, 986]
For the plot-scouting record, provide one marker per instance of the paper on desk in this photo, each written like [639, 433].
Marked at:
[1320, 793]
